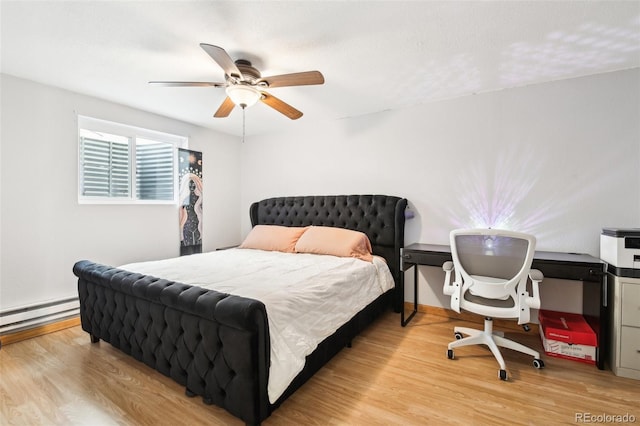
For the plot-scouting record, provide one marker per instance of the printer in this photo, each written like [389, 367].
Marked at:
[620, 248]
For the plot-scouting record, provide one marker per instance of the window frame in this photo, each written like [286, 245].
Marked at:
[131, 133]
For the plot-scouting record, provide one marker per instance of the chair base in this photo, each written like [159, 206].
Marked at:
[493, 340]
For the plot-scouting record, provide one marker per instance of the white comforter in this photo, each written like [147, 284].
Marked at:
[307, 296]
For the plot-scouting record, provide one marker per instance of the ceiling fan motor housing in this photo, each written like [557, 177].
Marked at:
[249, 73]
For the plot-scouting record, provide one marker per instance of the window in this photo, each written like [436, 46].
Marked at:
[155, 178]
[105, 165]
[125, 164]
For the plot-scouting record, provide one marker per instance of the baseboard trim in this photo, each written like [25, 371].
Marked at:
[500, 324]
[39, 330]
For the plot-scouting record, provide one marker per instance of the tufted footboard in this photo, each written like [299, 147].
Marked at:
[214, 344]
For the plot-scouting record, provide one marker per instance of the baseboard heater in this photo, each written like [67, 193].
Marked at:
[26, 317]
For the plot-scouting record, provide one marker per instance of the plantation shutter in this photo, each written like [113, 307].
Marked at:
[154, 170]
[105, 168]
[122, 164]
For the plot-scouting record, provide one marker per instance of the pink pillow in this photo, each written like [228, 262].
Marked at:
[336, 242]
[273, 238]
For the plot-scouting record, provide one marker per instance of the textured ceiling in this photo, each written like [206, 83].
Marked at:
[375, 56]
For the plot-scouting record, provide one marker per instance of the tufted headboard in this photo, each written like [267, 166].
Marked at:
[380, 217]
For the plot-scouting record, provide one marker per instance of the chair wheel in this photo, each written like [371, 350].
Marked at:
[450, 354]
[538, 363]
[502, 374]
[458, 335]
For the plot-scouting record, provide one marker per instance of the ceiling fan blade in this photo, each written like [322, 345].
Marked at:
[187, 84]
[225, 109]
[280, 106]
[295, 79]
[223, 59]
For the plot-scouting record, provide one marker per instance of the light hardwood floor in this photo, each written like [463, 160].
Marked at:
[391, 376]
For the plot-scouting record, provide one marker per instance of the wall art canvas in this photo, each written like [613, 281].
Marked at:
[190, 201]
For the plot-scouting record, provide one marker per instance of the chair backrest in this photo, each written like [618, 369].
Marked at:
[493, 264]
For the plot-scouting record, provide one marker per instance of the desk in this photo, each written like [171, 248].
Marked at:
[567, 266]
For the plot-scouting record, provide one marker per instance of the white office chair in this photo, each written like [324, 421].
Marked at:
[491, 268]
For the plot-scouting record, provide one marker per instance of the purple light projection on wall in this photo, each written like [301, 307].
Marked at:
[496, 197]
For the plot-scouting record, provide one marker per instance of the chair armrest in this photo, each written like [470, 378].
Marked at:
[447, 288]
[536, 275]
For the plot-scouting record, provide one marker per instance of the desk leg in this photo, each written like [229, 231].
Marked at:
[595, 308]
[404, 322]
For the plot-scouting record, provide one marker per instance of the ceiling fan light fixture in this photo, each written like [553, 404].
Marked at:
[243, 95]
[245, 85]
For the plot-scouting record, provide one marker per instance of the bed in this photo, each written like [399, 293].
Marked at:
[216, 344]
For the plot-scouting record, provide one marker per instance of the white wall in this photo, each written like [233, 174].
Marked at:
[45, 231]
[559, 160]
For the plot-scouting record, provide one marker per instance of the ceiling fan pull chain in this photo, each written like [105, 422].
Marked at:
[243, 112]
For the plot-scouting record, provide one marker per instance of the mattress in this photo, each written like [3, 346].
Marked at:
[307, 296]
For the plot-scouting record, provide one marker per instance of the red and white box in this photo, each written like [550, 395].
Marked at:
[568, 336]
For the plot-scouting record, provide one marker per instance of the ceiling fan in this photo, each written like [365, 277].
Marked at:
[245, 85]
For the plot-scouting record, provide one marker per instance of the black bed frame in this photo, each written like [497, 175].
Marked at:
[215, 344]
